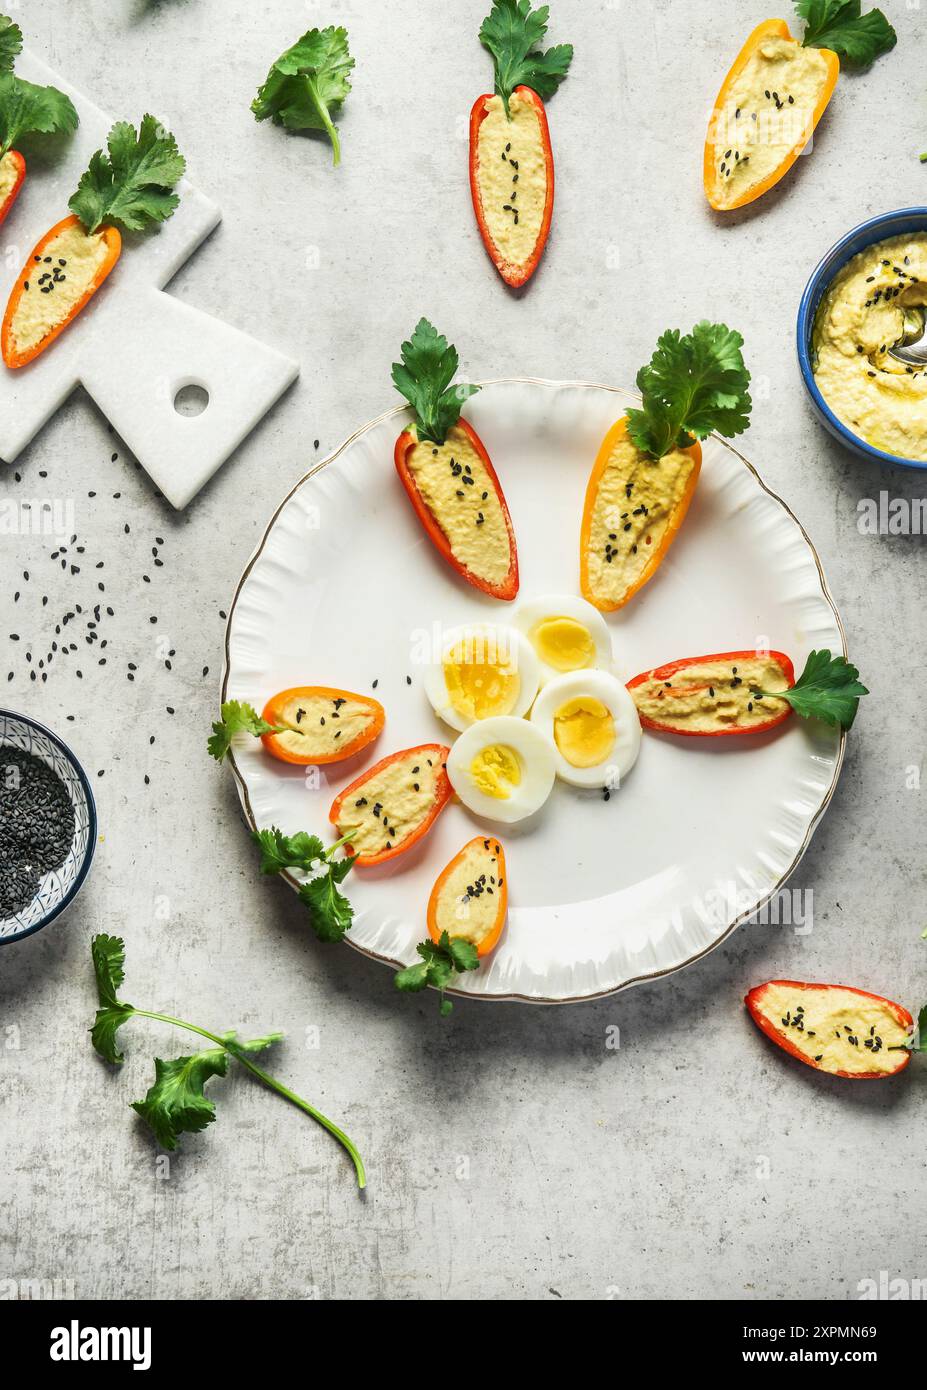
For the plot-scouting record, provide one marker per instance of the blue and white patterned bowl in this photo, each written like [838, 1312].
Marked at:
[59, 888]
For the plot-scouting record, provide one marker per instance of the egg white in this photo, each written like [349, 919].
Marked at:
[529, 614]
[505, 639]
[535, 756]
[599, 685]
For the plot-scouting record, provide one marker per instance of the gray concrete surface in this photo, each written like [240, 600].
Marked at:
[512, 1153]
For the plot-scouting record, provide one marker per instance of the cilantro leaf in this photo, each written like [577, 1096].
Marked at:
[828, 689]
[132, 184]
[858, 39]
[11, 42]
[237, 717]
[424, 376]
[108, 954]
[512, 33]
[279, 851]
[693, 385]
[440, 962]
[330, 912]
[26, 109]
[308, 84]
[175, 1103]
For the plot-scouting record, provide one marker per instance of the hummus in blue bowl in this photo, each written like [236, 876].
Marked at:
[866, 296]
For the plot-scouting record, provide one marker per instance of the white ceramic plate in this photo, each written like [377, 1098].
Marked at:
[341, 591]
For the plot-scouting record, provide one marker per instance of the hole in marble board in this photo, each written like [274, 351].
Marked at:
[191, 400]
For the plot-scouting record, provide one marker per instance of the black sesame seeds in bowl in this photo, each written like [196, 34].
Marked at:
[48, 826]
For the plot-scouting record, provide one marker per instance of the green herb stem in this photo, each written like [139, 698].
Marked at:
[270, 1082]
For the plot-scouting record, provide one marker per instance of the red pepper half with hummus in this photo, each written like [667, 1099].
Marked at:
[130, 187]
[447, 472]
[646, 470]
[511, 161]
[745, 692]
[837, 1029]
[25, 109]
[776, 92]
[393, 804]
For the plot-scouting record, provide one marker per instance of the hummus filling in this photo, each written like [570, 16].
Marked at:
[468, 904]
[767, 112]
[710, 696]
[871, 304]
[393, 803]
[462, 498]
[55, 281]
[835, 1028]
[512, 176]
[322, 725]
[636, 500]
[9, 174]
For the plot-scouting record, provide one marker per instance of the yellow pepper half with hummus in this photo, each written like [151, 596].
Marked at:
[875, 302]
[777, 91]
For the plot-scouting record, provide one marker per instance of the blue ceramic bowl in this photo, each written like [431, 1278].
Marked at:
[59, 888]
[889, 224]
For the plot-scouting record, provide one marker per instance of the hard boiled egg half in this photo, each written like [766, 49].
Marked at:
[566, 634]
[502, 768]
[592, 724]
[484, 670]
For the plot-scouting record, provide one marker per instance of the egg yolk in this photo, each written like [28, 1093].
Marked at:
[481, 679]
[564, 644]
[584, 731]
[495, 771]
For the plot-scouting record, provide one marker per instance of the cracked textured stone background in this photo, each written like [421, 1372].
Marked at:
[512, 1153]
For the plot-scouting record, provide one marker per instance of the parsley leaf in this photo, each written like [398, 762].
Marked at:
[279, 851]
[839, 25]
[133, 183]
[307, 85]
[424, 376]
[440, 962]
[693, 385]
[176, 1102]
[827, 689]
[237, 717]
[512, 33]
[26, 109]
[919, 1044]
[11, 42]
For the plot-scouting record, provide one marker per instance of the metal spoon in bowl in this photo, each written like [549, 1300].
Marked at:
[911, 348]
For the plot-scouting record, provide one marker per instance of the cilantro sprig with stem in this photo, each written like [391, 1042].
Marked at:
[695, 384]
[132, 183]
[238, 717]
[176, 1102]
[307, 85]
[857, 38]
[429, 365]
[828, 689]
[440, 962]
[330, 912]
[512, 33]
[25, 108]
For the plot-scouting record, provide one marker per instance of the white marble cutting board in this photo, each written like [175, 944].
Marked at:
[134, 347]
